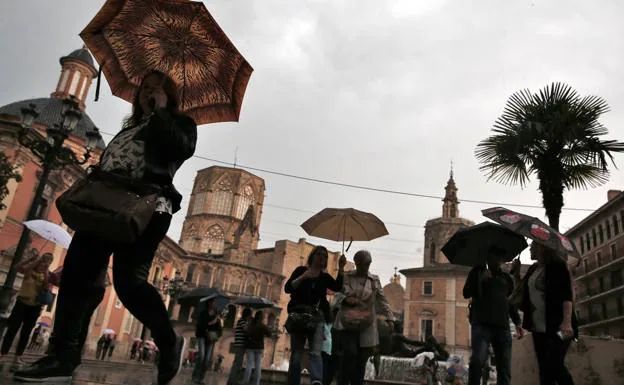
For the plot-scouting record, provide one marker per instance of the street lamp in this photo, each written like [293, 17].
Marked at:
[53, 155]
[276, 331]
[173, 287]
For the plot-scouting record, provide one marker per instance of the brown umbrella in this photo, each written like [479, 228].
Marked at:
[180, 38]
[345, 225]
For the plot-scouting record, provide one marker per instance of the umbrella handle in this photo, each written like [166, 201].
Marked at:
[350, 243]
[99, 79]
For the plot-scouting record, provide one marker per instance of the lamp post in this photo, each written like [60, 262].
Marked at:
[173, 287]
[53, 155]
[276, 331]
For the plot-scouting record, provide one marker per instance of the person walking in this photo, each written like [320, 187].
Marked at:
[307, 287]
[99, 346]
[240, 341]
[257, 331]
[111, 347]
[107, 342]
[207, 332]
[547, 307]
[488, 289]
[27, 306]
[154, 142]
[362, 295]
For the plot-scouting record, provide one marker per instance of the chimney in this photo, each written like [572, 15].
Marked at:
[612, 194]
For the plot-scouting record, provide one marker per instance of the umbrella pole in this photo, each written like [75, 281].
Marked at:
[344, 233]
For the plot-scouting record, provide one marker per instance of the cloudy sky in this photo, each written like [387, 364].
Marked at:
[374, 93]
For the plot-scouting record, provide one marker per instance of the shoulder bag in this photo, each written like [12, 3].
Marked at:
[303, 318]
[113, 208]
[359, 317]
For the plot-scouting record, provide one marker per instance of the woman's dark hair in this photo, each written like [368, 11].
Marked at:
[257, 319]
[315, 250]
[171, 90]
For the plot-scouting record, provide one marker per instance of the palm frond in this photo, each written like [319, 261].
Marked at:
[584, 176]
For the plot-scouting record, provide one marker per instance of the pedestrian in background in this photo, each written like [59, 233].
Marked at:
[240, 341]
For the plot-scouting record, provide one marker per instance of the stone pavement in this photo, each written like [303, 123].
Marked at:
[115, 373]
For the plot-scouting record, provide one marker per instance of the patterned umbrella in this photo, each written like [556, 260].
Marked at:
[180, 38]
[533, 228]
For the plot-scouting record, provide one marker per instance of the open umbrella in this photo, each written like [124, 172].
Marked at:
[254, 302]
[108, 331]
[469, 246]
[533, 228]
[345, 225]
[193, 297]
[50, 231]
[179, 38]
[221, 301]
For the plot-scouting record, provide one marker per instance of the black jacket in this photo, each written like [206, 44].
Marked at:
[489, 298]
[170, 140]
[202, 327]
[255, 336]
[312, 292]
[558, 291]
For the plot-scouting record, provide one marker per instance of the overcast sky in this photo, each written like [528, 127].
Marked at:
[377, 93]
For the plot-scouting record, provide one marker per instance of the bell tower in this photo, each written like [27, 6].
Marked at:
[77, 73]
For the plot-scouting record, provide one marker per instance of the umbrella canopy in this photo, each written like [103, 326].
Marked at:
[533, 228]
[469, 246]
[221, 301]
[108, 331]
[179, 38]
[50, 231]
[254, 302]
[345, 225]
[194, 296]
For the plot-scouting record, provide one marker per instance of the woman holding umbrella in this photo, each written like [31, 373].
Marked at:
[154, 142]
[28, 304]
[547, 304]
[207, 331]
[307, 309]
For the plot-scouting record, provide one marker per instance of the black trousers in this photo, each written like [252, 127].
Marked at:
[551, 351]
[24, 316]
[85, 261]
[353, 359]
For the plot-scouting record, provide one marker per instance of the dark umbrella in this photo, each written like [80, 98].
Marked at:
[221, 301]
[469, 246]
[194, 296]
[179, 38]
[254, 302]
[533, 228]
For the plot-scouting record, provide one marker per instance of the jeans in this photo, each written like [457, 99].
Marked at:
[297, 346]
[551, 351]
[239, 355]
[500, 339]
[254, 361]
[204, 355]
[85, 261]
[24, 316]
[354, 358]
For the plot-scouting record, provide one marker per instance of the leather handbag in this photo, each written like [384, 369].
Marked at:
[109, 207]
[302, 319]
[359, 317]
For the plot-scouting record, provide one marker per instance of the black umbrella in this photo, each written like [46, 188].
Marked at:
[221, 301]
[194, 296]
[254, 302]
[469, 246]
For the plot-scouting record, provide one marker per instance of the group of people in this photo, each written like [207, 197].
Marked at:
[105, 346]
[544, 296]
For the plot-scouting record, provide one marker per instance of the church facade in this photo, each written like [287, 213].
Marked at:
[434, 304]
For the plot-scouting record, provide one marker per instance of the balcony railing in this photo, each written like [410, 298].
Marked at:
[592, 269]
[606, 293]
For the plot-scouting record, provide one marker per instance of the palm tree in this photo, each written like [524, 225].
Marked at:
[554, 134]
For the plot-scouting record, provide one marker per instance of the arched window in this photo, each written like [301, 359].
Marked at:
[215, 240]
[243, 200]
[217, 282]
[222, 197]
[190, 272]
[234, 286]
[264, 287]
[250, 285]
[205, 279]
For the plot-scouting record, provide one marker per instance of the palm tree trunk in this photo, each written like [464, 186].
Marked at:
[552, 200]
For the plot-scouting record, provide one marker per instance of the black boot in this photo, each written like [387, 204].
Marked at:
[170, 363]
[46, 369]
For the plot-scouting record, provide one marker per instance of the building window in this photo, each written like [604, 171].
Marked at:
[616, 226]
[620, 306]
[432, 252]
[582, 246]
[243, 201]
[234, 286]
[587, 244]
[222, 198]
[613, 250]
[604, 310]
[594, 238]
[190, 273]
[206, 277]
[427, 288]
[608, 227]
[251, 285]
[616, 278]
[600, 234]
[585, 267]
[199, 201]
[215, 240]
[264, 287]
[426, 329]
[598, 259]
[601, 285]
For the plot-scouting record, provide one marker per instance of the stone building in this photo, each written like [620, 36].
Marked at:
[434, 304]
[599, 275]
[395, 294]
